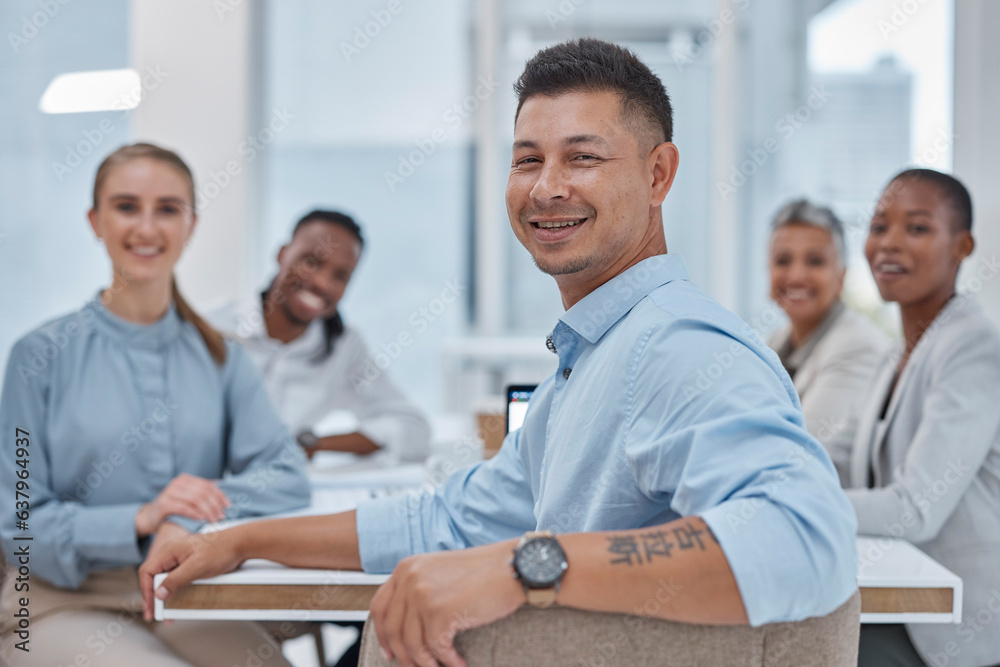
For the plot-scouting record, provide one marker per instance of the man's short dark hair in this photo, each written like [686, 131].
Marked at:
[593, 65]
[952, 190]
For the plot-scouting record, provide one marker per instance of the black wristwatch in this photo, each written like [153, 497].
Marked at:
[307, 439]
[539, 562]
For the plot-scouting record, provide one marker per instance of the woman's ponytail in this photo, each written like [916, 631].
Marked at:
[214, 340]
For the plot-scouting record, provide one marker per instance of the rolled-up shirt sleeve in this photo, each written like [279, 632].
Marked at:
[67, 536]
[725, 441]
[484, 503]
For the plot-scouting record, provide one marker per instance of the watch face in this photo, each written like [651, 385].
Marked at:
[307, 439]
[540, 562]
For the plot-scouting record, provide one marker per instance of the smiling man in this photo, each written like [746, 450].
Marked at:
[624, 473]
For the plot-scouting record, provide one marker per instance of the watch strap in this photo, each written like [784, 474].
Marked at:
[542, 598]
[307, 439]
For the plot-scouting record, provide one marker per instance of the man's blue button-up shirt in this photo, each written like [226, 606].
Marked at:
[664, 405]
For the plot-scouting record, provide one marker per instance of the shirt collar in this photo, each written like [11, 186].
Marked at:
[251, 326]
[792, 358]
[594, 314]
[151, 336]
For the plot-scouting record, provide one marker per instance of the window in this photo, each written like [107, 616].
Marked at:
[381, 134]
[49, 261]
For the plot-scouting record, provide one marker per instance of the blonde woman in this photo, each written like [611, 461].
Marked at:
[829, 350]
[137, 423]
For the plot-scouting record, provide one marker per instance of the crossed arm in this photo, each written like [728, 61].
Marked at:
[676, 571]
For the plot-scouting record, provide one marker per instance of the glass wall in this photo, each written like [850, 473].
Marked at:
[888, 72]
[382, 134]
[662, 35]
[49, 261]
[386, 98]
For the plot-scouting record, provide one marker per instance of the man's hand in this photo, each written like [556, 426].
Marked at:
[186, 559]
[432, 597]
[186, 495]
[166, 533]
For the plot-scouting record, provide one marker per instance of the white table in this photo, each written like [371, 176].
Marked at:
[898, 583]
[901, 584]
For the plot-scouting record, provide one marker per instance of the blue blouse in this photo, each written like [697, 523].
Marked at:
[114, 411]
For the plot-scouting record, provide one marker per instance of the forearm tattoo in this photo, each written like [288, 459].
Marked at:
[658, 543]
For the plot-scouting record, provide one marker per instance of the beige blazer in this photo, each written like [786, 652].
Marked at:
[833, 380]
[935, 459]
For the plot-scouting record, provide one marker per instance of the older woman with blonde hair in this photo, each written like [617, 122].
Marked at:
[136, 423]
[829, 350]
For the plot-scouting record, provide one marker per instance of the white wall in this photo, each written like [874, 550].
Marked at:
[977, 140]
[199, 105]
